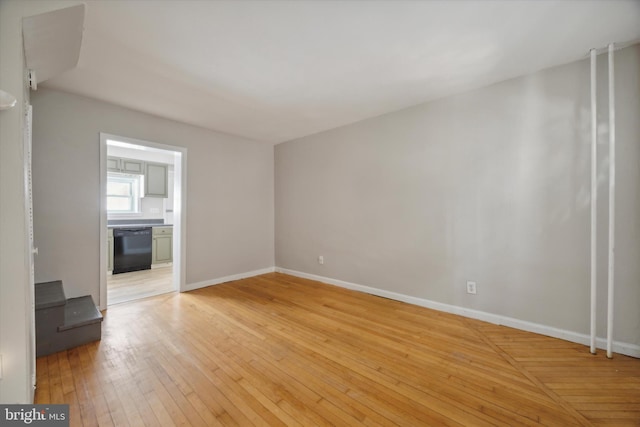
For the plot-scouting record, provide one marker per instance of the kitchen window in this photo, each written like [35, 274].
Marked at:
[123, 193]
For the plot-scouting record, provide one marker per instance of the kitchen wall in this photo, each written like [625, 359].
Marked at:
[229, 196]
[146, 155]
[150, 208]
[491, 186]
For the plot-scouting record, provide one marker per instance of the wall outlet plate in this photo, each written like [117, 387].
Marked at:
[321, 260]
[471, 288]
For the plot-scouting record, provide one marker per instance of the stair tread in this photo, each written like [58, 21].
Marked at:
[79, 312]
[49, 294]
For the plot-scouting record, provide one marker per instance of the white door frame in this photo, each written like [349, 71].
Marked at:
[31, 249]
[179, 214]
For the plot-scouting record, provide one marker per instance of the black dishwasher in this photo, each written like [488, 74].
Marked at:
[131, 249]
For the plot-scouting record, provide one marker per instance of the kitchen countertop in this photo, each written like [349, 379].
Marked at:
[138, 225]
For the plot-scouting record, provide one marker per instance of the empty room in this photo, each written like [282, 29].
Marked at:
[299, 213]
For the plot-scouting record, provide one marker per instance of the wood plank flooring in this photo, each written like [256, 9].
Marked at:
[126, 287]
[276, 350]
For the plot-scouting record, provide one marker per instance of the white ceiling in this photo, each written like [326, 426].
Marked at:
[278, 70]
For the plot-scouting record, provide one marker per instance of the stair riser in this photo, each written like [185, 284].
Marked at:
[68, 339]
[47, 321]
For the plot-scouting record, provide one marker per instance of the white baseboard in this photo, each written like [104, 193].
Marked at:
[618, 347]
[205, 283]
[161, 265]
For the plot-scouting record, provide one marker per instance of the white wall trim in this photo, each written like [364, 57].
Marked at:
[618, 347]
[102, 267]
[220, 280]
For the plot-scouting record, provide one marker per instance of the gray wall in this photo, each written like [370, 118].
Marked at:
[491, 186]
[229, 194]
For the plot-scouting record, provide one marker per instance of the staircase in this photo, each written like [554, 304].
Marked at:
[63, 323]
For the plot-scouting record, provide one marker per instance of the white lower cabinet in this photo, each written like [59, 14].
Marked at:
[110, 249]
[162, 247]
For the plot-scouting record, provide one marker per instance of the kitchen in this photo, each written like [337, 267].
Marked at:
[140, 205]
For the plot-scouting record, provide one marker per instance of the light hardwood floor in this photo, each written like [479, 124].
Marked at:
[139, 284]
[278, 350]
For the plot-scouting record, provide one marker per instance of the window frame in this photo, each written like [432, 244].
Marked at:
[135, 183]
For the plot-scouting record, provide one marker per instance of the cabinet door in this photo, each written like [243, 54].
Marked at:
[162, 250]
[155, 182]
[132, 166]
[113, 164]
[110, 250]
[110, 254]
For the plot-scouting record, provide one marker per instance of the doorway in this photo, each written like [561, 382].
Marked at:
[143, 188]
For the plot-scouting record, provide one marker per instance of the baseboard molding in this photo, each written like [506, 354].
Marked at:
[618, 347]
[161, 265]
[212, 282]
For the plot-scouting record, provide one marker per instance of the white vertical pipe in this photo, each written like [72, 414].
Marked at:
[594, 199]
[612, 200]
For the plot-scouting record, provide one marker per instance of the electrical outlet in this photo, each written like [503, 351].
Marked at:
[471, 288]
[320, 260]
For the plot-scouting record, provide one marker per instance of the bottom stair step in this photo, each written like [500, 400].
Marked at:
[80, 312]
[82, 325]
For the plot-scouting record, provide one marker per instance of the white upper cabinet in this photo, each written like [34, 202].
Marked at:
[156, 182]
[117, 164]
[113, 164]
[132, 166]
[155, 174]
